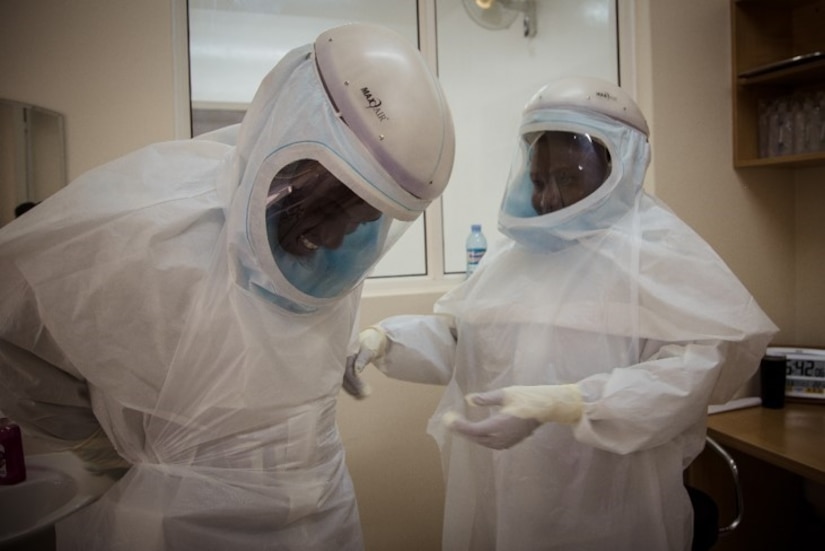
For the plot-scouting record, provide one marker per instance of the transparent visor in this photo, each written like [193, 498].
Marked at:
[554, 170]
[323, 236]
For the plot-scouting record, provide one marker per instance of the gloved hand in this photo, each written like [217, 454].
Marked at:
[524, 409]
[372, 343]
[100, 457]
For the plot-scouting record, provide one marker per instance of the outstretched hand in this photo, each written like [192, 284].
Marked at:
[499, 431]
[523, 409]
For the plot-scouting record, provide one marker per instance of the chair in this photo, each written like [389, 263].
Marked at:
[706, 529]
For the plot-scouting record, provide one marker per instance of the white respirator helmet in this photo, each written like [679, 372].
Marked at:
[386, 94]
[588, 94]
[350, 139]
[580, 163]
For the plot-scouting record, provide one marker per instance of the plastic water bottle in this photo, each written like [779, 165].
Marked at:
[476, 247]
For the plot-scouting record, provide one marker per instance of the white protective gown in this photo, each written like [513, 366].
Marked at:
[614, 294]
[135, 294]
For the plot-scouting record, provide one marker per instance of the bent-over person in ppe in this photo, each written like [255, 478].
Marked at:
[580, 358]
[183, 313]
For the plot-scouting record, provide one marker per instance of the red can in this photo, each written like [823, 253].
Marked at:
[12, 466]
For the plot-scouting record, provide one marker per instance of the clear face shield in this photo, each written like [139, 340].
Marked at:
[323, 236]
[556, 169]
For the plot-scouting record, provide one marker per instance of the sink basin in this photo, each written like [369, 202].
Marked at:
[56, 486]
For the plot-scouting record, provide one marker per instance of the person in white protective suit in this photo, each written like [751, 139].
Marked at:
[581, 356]
[188, 308]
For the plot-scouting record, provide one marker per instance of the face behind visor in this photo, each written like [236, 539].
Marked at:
[579, 165]
[313, 209]
[565, 167]
[322, 235]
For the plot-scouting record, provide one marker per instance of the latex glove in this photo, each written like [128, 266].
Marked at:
[372, 343]
[523, 410]
[100, 457]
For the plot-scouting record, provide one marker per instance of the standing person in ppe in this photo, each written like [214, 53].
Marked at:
[581, 357]
[190, 305]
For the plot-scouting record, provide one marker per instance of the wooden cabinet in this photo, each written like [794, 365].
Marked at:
[781, 464]
[778, 68]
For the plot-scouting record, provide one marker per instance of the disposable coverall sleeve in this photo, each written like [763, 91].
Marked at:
[648, 404]
[701, 337]
[420, 349]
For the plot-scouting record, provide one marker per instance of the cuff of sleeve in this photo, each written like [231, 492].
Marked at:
[546, 403]
[375, 339]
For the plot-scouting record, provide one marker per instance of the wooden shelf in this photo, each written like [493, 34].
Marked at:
[786, 161]
[812, 72]
[766, 34]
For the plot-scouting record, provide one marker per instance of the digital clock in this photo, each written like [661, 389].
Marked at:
[804, 371]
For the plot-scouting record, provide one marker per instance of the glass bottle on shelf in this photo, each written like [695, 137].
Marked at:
[799, 126]
[818, 128]
[784, 144]
[773, 130]
[764, 127]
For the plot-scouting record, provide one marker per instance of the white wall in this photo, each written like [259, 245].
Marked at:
[107, 66]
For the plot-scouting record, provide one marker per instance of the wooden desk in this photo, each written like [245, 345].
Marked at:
[776, 452]
[792, 438]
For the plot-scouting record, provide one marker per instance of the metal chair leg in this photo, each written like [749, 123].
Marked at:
[740, 504]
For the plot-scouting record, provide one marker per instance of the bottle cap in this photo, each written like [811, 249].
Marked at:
[476, 227]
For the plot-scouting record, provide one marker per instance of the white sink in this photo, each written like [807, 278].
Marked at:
[56, 486]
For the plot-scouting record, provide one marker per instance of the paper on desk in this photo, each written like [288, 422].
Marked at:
[739, 403]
